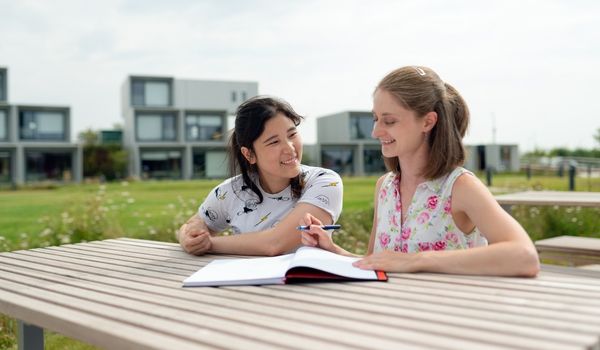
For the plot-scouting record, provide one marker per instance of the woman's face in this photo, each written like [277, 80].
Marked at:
[398, 129]
[277, 153]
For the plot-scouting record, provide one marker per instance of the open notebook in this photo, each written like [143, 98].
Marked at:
[307, 264]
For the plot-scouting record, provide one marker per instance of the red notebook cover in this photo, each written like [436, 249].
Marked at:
[306, 274]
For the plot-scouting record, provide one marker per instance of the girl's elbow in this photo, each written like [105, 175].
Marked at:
[531, 262]
[277, 247]
[273, 251]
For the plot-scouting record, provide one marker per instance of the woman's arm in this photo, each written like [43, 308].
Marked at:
[374, 225]
[317, 237]
[277, 240]
[510, 251]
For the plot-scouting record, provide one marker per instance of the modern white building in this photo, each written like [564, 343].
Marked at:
[176, 128]
[344, 144]
[499, 158]
[35, 142]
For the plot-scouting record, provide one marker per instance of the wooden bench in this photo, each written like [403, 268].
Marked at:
[569, 250]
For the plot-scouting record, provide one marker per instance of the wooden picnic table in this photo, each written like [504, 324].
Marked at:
[127, 294]
[568, 250]
[559, 198]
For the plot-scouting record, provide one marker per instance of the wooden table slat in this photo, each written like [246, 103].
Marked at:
[106, 333]
[223, 334]
[137, 283]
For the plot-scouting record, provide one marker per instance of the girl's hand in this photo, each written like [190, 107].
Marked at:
[316, 236]
[194, 237]
[389, 261]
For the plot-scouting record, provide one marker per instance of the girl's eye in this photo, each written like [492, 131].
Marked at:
[389, 122]
[292, 135]
[272, 143]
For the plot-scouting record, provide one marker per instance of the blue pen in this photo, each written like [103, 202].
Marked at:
[324, 227]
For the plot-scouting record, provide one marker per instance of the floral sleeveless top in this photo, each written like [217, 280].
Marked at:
[428, 225]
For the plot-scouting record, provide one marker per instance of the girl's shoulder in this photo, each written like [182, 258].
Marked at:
[235, 185]
[312, 174]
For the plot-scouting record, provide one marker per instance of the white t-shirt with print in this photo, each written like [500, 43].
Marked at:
[233, 205]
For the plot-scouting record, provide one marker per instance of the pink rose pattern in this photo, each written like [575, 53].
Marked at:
[428, 225]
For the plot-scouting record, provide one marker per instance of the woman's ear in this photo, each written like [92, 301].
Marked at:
[248, 154]
[429, 121]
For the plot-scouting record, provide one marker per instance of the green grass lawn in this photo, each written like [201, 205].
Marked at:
[138, 208]
[152, 209]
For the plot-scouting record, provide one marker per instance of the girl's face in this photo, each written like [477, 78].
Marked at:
[399, 130]
[277, 153]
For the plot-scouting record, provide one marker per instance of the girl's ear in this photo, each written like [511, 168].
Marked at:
[429, 121]
[249, 155]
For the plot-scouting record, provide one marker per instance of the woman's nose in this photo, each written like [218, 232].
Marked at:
[375, 132]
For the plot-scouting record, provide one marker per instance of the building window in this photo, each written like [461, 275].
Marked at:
[244, 96]
[42, 125]
[373, 161]
[361, 127]
[209, 164]
[5, 167]
[151, 93]
[161, 164]
[156, 127]
[339, 160]
[203, 127]
[233, 96]
[505, 158]
[3, 86]
[41, 166]
[3, 125]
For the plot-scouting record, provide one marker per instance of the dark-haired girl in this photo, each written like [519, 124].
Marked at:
[270, 190]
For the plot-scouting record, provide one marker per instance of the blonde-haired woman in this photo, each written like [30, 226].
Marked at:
[430, 213]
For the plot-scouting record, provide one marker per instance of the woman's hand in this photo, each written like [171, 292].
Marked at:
[390, 261]
[316, 236]
[194, 237]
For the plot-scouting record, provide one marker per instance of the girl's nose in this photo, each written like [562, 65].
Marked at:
[290, 146]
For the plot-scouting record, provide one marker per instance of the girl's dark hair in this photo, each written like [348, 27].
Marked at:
[421, 90]
[250, 119]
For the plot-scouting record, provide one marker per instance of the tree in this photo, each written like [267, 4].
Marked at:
[88, 137]
[107, 161]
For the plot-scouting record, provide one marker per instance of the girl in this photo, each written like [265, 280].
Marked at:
[430, 213]
[272, 192]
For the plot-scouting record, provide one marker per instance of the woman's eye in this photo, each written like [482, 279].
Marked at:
[388, 122]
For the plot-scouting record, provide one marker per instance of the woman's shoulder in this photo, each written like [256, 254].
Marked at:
[467, 187]
[387, 179]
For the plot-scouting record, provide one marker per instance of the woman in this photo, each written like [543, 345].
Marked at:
[271, 192]
[430, 213]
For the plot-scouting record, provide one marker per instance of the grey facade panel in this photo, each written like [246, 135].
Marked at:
[189, 97]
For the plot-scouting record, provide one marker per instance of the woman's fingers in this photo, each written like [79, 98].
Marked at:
[308, 239]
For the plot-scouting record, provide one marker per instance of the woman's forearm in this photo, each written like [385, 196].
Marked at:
[499, 259]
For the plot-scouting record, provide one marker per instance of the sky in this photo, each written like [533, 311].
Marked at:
[530, 70]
